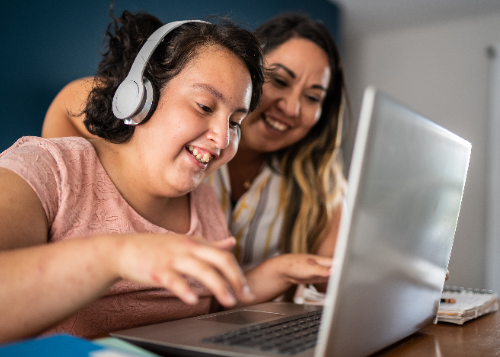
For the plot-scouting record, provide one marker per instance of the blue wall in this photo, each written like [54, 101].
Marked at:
[46, 44]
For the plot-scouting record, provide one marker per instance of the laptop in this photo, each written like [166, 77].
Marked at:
[395, 238]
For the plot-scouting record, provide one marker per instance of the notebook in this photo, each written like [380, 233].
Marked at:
[395, 238]
[459, 305]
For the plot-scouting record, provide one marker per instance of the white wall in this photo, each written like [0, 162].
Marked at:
[441, 71]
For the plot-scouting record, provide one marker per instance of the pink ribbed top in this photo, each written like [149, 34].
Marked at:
[80, 199]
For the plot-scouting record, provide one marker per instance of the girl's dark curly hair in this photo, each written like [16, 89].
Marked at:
[126, 36]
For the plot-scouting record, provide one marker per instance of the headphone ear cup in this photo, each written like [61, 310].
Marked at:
[147, 106]
[127, 99]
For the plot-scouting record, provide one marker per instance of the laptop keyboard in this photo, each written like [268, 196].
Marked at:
[289, 335]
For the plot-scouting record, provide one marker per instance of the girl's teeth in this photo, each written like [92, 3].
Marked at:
[198, 155]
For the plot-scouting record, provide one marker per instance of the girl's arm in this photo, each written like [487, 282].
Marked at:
[42, 284]
[62, 118]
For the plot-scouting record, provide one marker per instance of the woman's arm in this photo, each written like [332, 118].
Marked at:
[274, 276]
[42, 284]
[62, 118]
[327, 246]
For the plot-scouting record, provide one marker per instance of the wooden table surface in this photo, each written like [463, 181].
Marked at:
[478, 337]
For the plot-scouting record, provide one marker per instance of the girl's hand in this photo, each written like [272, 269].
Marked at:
[165, 260]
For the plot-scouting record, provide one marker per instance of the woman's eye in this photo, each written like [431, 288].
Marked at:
[205, 108]
[313, 99]
[280, 82]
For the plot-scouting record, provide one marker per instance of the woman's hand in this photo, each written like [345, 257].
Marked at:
[304, 268]
[165, 260]
[274, 276]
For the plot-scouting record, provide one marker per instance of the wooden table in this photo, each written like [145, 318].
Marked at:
[479, 337]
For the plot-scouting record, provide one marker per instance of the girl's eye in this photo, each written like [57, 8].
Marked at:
[234, 124]
[205, 108]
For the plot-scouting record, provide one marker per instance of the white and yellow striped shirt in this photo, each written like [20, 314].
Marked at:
[256, 220]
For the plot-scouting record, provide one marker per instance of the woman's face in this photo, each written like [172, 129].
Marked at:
[194, 129]
[292, 97]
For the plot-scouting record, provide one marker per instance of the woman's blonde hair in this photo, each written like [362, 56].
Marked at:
[312, 168]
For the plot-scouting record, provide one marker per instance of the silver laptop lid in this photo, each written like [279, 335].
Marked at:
[405, 188]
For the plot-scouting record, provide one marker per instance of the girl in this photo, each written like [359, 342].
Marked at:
[118, 231]
[283, 191]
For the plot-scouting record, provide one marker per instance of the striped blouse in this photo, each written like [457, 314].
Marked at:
[256, 219]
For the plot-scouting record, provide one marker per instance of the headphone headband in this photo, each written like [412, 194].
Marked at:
[134, 96]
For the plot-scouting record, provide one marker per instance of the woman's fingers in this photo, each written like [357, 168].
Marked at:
[324, 261]
[308, 269]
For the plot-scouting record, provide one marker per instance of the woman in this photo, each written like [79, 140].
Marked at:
[286, 179]
[283, 191]
[117, 231]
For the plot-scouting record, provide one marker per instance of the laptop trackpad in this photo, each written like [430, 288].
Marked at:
[242, 317]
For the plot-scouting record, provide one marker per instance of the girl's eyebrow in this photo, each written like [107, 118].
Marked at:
[293, 75]
[218, 95]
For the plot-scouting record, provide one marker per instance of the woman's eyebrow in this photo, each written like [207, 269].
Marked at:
[218, 95]
[285, 68]
[293, 75]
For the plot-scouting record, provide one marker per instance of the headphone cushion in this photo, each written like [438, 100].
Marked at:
[147, 106]
[127, 99]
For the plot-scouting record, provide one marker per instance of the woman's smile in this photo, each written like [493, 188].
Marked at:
[292, 96]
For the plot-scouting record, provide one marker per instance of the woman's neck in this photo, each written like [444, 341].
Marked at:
[171, 213]
[243, 169]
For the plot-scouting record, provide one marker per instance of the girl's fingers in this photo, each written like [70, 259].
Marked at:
[208, 276]
[226, 264]
[177, 285]
[225, 244]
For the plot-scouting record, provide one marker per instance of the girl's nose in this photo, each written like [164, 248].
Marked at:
[219, 132]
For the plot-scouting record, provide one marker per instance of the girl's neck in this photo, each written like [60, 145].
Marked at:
[171, 213]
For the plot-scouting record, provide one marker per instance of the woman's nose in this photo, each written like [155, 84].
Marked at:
[290, 104]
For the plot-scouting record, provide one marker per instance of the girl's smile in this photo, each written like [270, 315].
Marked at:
[193, 131]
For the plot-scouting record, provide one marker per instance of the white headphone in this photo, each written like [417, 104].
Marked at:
[134, 97]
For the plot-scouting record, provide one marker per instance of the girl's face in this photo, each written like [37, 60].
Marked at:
[292, 98]
[194, 129]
